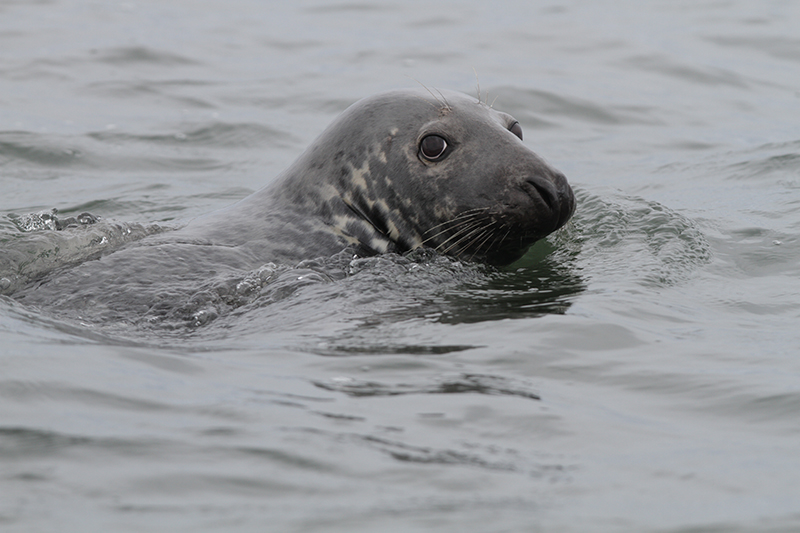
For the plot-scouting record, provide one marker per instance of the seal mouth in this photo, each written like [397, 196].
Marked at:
[502, 233]
[567, 203]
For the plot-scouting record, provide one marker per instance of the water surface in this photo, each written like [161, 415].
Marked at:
[638, 371]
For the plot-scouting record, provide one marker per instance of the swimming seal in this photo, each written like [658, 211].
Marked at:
[398, 171]
[394, 172]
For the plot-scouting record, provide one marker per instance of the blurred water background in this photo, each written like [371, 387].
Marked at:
[638, 371]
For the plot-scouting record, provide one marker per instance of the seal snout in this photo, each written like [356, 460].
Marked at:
[567, 202]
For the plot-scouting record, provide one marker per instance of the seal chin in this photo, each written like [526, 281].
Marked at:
[499, 234]
[567, 209]
[541, 206]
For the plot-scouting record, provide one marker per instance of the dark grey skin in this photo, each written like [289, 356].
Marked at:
[379, 179]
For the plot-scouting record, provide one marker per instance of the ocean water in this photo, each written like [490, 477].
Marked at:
[637, 371]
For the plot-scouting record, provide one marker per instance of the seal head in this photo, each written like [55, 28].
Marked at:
[402, 170]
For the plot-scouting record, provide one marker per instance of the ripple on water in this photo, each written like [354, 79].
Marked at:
[21, 150]
[770, 161]
[357, 297]
[634, 239]
[216, 135]
[462, 383]
[37, 248]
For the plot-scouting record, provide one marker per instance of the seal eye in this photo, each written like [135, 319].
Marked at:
[516, 129]
[432, 147]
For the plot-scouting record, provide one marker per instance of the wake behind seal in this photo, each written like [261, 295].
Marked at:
[394, 172]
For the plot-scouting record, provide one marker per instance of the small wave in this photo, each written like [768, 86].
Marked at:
[49, 220]
[44, 150]
[772, 160]
[664, 65]
[468, 454]
[19, 150]
[775, 46]
[139, 54]
[213, 134]
[460, 384]
[150, 90]
[640, 240]
[26, 443]
[38, 249]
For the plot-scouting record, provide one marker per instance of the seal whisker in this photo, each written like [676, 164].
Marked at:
[481, 240]
[487, 239]
[429, 103]
[471, 234]
[478, 84]
[463, 233]
[491, 240]
[506, 235]
[446, 105]
[457, 227]
[461, 216]
[481, 237]
[443, 101]
[463, 228]
[460, 236]
[497, 239]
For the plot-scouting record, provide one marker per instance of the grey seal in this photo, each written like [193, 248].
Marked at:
[397, 171]
[394, 172]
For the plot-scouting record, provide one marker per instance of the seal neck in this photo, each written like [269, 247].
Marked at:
[373, 232]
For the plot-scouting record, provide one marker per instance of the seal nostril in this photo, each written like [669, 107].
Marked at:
[546, 192]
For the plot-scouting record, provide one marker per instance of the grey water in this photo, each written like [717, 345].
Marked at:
[637, 371]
